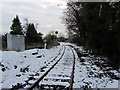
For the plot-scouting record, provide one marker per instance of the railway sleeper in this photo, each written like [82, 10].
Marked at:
[62, 79]
[54, 86]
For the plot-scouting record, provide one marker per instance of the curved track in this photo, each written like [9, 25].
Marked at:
[60, 75]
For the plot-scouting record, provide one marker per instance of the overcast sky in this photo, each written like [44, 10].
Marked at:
[47, 13]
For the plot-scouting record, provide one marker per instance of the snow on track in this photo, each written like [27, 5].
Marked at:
[89, 75]
[28, 66]
[61, 73]
[18, 67]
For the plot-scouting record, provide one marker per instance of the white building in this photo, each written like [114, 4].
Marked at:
[15, 42]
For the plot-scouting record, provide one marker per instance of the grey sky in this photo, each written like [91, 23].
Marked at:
[46, 13]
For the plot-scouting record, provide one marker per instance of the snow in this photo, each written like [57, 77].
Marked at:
[89, 75]
[62, 71]
[60, 78]
[66, 84]
[10, 59]
[28, 66]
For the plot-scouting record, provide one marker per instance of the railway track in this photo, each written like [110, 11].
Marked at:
[33, 77]
[60, 75]
[65, 71]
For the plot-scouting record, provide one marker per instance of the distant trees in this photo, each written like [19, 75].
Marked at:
[31, 35]
[4, 41]
[96, 26]
[39, 35]
[51, 39]
[61, 37]
[16, 26]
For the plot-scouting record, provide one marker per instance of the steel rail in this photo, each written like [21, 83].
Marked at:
[73, 70]
[37, 82]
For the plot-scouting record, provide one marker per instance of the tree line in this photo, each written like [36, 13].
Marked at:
[28, 30]
[96, 26]
[31, 35]
[33, 39]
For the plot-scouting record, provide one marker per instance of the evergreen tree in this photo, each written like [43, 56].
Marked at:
[40, 37]
[16, 26]
[31, 35]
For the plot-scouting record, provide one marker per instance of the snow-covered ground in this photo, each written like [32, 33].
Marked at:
[17, 67]
[27, 66]
[89, 75]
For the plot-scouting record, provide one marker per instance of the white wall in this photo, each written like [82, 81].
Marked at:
[15, 42]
